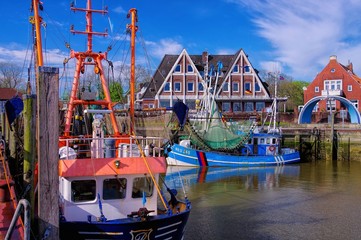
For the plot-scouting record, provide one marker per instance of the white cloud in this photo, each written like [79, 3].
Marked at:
[164, 46]
[304, 34]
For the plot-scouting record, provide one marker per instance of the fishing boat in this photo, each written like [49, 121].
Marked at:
[209, 140]
[109, 179]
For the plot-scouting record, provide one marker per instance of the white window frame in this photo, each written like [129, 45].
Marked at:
[180, 68]
[175, 87]
[235, 85]
[200, 84]
[349, 88]
[165, 87]
[225, 87]
[189, 66]
[188, 86]
[317, 89]
[235, 69]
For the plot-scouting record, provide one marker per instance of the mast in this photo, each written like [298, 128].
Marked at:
[37, 22]
[133, 29]
[89, 58]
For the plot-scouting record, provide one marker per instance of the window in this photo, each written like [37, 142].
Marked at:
[177, 86]
[247, 87]
[257, 88]
[226, 107]
[235, 87]
[164, 103]
[247, 69]
[355, 103]
[83, 190]
[249, 107]
[333, 85]
[333, 70]
[167, 87]
[191, 104]
[177, 69]
[349, 88]
[114, 188]
[225, 87]
[317, 89]
[200, 87]
[189, 68]
[190, 87]
[260, 106]
[331, 105]
[237, 107]
[235, 69]
[142, 185]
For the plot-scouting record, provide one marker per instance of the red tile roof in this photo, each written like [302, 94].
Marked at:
[8, 93]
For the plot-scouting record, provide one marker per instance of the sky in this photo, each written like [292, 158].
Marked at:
[290, 36]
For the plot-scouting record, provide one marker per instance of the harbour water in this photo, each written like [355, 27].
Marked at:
[319, 200]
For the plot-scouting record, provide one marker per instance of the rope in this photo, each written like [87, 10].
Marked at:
[150, 172]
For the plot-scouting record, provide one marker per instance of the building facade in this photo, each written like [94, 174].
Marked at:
[185, 77]
[334, 80]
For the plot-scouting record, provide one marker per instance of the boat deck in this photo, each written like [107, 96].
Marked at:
[7, 205]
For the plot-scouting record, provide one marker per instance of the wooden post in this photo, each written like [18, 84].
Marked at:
[29, 114]
[48, 156]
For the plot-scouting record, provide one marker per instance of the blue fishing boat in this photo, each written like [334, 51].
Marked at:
[109, 179]
[209, 140]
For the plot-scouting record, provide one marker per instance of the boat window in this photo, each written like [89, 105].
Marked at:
[261, 141]
[268, 141]
[114, 188]
[83, 190]
[273, 140]
[142, 184]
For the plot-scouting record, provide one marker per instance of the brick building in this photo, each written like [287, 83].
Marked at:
[334, 80]
[183, 77]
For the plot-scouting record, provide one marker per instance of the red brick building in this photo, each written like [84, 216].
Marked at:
[184, 77]
[335, 80]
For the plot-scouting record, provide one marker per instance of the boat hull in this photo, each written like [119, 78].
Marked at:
[184, 156]
[156, 227]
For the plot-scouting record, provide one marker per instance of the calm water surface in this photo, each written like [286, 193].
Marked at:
[319, 200]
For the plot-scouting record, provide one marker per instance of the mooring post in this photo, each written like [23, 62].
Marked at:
[29, 145]
[48, 156]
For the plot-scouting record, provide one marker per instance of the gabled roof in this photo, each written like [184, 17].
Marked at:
[168, 62]
[8, 93]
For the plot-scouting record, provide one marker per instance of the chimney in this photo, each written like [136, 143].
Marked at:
[205, 57]
[333, 57]
[350, 66]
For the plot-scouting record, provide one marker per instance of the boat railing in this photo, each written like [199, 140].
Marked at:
[126, 146]
[23, 205]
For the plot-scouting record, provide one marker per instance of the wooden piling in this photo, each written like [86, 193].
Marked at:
[48, 137]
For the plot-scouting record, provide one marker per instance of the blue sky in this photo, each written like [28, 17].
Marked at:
[292, 36]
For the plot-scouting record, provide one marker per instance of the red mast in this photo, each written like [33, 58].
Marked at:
[89, 58]
[133, 29]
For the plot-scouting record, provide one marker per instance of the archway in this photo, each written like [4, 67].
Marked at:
[306, 112]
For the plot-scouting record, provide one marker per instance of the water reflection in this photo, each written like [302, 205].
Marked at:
[249, 178]
[318, 200]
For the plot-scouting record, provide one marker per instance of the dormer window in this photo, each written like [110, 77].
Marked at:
[333, 70]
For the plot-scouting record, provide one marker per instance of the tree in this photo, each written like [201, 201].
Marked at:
[286, 87]
[11, 76]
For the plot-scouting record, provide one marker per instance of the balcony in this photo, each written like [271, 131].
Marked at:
[335, 92]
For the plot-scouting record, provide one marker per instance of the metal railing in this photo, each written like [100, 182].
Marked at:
[84, 147]
[23, 204]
